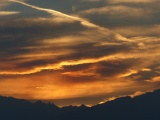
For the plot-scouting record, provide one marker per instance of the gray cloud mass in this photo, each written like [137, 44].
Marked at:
[89, 49]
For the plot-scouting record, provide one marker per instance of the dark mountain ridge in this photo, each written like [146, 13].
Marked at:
[143, 107]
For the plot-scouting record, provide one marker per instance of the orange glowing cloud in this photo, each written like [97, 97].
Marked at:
[77, 56]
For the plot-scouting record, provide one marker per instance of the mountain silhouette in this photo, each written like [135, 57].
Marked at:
[143, 107]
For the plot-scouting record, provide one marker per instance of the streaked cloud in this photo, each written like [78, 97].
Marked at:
[3, 13]
[137, 15]
[66, 56]
[131, 1]
[131, 31]
[123, 11]
[60, 14]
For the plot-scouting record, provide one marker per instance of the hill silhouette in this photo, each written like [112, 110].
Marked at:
[143, 107]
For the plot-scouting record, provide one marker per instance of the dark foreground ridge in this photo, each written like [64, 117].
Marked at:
[144, 107]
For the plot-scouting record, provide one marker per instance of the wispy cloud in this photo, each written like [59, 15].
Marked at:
[131, 1]
[4, 13]
[57, 13]
[60, 57]
[71, 59]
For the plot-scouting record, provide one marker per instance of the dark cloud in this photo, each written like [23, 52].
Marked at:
[23, 39]
[125, 14]
[60, 56]
[17, 35]
[147, 74]
[113, 68]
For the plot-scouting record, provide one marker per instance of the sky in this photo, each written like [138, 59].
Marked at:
[76, 52]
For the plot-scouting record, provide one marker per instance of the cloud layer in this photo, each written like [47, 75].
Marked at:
[64, 56]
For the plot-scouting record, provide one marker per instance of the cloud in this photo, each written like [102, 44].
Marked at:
[138, 93]
[155, 79]
[46, 50]
[19, 40]
[123, 11]
[141, 16]
[3, 13]
[149, 74]
[3, 3]
[134, 30]
[131, 1]
[57, 13]
[60, 57]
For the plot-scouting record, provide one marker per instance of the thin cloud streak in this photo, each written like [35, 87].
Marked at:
[81, 20]
[60, 65]
[60, 14]
[4, 13]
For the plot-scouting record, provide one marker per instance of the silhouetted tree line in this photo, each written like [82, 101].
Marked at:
[144, 107]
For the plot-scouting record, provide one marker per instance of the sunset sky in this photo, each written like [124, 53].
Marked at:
[79, 51]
